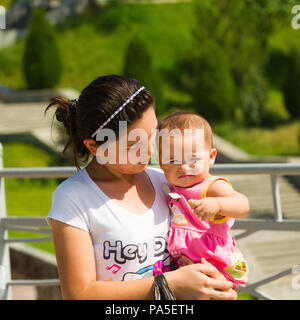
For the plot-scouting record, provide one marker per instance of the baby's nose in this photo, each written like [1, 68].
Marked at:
[184, 167]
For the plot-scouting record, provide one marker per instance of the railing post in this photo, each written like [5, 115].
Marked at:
[5, 274]
[276, 197]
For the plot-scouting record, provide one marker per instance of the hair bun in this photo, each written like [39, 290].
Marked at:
[62, 115]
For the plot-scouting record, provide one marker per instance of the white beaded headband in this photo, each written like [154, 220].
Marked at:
[117, 111]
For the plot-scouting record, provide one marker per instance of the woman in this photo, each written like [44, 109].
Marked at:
[110, 220]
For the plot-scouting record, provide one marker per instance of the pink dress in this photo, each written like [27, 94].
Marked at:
[210, 239]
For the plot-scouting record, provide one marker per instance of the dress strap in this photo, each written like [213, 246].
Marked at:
[209, 182]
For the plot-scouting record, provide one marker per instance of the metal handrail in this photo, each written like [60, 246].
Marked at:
[236, 168]
[38, 224]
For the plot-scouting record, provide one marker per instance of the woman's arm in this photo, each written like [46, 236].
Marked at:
[222, 200]
[77, 273]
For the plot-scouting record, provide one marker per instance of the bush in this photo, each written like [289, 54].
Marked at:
[276, 68]
[138, 65]
[253, 96]
[41, 63]
[291, 88]
[214, 92]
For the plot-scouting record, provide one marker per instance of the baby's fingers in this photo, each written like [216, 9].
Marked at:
[199, 212]
[194, 203]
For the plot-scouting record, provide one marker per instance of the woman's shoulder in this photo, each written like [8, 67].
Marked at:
[69, 202]
[73, 184]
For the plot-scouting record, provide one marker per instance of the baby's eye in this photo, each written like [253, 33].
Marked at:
[193, 160]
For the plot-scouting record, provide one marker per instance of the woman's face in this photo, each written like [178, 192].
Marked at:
[132, 150]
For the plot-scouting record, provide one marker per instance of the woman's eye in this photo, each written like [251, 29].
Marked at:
[134, 146]
[174, 162]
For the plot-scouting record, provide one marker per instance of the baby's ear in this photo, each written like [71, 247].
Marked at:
[212, 156]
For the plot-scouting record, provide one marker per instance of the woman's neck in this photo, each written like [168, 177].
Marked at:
[100, 172]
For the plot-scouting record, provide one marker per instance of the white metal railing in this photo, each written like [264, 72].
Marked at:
[39, 225]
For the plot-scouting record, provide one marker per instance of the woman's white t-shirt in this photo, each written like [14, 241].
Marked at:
[126, 246]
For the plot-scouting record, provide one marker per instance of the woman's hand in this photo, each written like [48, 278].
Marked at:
[217, 273]
[199, 281]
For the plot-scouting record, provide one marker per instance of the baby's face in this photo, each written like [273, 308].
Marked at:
[187, 162]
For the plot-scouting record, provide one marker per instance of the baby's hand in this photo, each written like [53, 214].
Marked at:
[205, 208]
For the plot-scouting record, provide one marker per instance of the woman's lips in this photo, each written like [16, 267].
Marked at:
[142, 163]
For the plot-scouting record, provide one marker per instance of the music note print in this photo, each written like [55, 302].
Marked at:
[114, 265]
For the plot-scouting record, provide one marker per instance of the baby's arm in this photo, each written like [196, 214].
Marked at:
[222, 200]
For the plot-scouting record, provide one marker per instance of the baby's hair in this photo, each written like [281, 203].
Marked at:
[188, 120]
[96, 103]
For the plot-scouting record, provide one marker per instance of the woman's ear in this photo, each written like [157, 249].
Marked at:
[212, 156]
[91, 145]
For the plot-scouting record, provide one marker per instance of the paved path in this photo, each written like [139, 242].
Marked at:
[29, 118]
[268, 252]
[24, 293]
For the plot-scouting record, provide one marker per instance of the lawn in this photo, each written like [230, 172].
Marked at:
[6, 3]
[246, 296]
[279, 141]
[25, 196]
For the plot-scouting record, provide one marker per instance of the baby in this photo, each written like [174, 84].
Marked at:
[203, 206]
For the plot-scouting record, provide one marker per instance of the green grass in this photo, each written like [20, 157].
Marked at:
[245, 296]
[11, 66]
[6, 3]
[18, 154]
[275, 106]
[281, 140]
[25, 196]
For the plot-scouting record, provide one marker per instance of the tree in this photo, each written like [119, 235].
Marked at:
[213, 93]
[252, 97]
[241, 29]
[291, 87]
[138, 65]
[42, 64]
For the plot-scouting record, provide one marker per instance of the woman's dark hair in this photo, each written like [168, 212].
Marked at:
[96, 103]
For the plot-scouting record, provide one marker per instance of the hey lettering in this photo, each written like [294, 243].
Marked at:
[121, 253]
